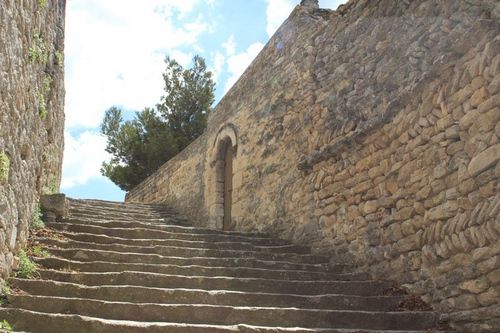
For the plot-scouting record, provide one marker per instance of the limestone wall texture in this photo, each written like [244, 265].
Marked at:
[31, 114]
[371, 133]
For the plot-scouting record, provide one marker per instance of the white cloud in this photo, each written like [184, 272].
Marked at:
[83, 157]
[115, 51]
[331, 4]
[278, 10]
[183, 58]
[229, 46]
[219, 60]
[237, 63]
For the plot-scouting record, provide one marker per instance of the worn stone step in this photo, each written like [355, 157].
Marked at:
[184, 251]
[63, 323]
[226, 315]
[127, 257]
[121, 211]
[150, 219]
[155, 280]
[143, 233]
[115, 204]
[90, 214]
[103, 266]
[137, 294]
[228, 245]
[162, 226]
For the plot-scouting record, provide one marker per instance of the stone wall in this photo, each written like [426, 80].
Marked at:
[370, 133]
[31, 114]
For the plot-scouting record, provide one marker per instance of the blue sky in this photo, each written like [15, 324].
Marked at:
[114, 56]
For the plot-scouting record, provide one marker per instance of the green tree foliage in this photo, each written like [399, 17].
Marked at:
[140, 146]
[188, 98]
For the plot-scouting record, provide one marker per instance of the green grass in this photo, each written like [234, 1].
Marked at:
[4, 325]
[3, 295]
[37, 222]
[42, 3]
[38, 251]
[27, 268]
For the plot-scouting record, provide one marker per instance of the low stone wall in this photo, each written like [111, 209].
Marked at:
[179, 183]
[31, 115]
[370, 133]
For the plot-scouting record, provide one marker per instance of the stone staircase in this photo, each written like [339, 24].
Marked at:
[131, 268]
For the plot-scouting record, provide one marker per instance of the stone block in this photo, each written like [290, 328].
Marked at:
[475, 286]
[443, 212]
[370, 207]
[54, 206]
[494, 277]
[484, 160]
[491, 296]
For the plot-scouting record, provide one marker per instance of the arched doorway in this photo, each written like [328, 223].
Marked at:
[228, 184]
[219, 187]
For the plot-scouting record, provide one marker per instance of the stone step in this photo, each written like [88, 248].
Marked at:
[228, 245]
[161, 221]
[92, 203]
[226, 315]
[85, 209]
[150, 220]
[144, 233]
[155, 280]
[184, 251]
[137, 294]
[103, 266]
[64, 323]
[128, 257]
[88, 214]
[162, 226]
[121, 210]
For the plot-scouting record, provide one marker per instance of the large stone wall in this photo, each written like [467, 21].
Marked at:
[372, 134]
[31, 114]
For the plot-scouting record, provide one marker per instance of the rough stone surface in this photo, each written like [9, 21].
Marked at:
[31, 114]
[54, 205]
[370, 133]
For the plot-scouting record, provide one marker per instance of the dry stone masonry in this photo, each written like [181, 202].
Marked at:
[372, 134]
[31, 115]
[135, 268]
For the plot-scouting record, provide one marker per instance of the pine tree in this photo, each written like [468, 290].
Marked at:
[140, 146]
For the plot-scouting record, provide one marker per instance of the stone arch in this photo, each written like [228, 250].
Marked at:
[223, 153]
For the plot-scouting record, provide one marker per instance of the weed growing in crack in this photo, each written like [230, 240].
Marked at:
[40, 252]
[3, 295]
[27, 268]
[4, 325]
[37, 222]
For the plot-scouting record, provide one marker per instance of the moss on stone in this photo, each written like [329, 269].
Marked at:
[50, 186]
[42, 104]
[4, 167]
[60, 58]
[38, 51]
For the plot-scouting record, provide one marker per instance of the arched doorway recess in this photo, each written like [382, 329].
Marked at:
[221, 182]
